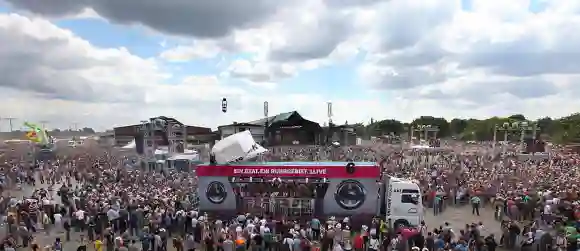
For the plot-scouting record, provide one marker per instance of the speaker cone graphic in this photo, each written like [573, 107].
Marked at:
[216, 192]
[350, 194]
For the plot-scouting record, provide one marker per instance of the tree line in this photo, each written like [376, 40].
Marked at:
[559, 130]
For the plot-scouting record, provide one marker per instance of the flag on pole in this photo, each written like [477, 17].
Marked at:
[32, 136]
[37, 133]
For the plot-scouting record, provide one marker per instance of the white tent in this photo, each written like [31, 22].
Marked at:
[237, 147]
[192, 156]
[161, 151]
[190, 151]
[131, 145]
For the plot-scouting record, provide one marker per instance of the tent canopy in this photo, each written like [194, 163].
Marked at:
[190, 151]
[131, 145]
[191, 157]
[237, 147]
[420, 147]
[161, 151]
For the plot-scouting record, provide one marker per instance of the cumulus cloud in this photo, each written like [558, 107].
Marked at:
[435, 43]
[51, 74]
[199, 50]
[260, 72]
[42, 59]
[205, 18]
[485, 92]
[314, 33]
[47, 70]
[426, 57]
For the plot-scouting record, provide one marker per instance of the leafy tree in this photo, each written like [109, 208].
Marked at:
[517, 117]
[561, 130]
[457, 126]
[385, 127]
[546, 125]
[360, 129]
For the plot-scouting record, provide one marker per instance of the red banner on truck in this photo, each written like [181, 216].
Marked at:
[273, 171]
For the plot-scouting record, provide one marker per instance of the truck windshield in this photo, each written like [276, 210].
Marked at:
[410, 196]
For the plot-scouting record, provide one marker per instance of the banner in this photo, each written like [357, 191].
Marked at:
[37, 134]
[273, 171]
[32, 136]
[237, 147]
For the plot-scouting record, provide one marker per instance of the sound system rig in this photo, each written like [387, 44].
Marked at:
[342, 189]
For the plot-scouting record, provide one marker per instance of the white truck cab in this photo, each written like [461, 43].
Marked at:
[402, 202]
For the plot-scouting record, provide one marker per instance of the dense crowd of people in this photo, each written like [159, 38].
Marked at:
[88, 194]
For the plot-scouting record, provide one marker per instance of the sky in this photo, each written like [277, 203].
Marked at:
[99, 63]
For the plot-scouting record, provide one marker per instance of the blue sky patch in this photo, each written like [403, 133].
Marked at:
[105, 35]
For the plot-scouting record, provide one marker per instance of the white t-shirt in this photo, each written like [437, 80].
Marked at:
[251, 227]
[423, 230]
[80, 215]
[45, 219]
[112, 214]
[374, 244]
[347, 245]
[547, 209]
[560, 241]
[57, 218]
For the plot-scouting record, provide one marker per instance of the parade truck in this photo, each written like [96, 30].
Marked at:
[400, 202]
[232, 184]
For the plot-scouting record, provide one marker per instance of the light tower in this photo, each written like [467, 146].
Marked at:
[10, 120]
[266, 123]
[506, 128]
[519, 126]
[330, 135]
[176, 136]
[149, 144]
[526, 127]
[425, 130]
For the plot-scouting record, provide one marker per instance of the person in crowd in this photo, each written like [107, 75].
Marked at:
[119, 207]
